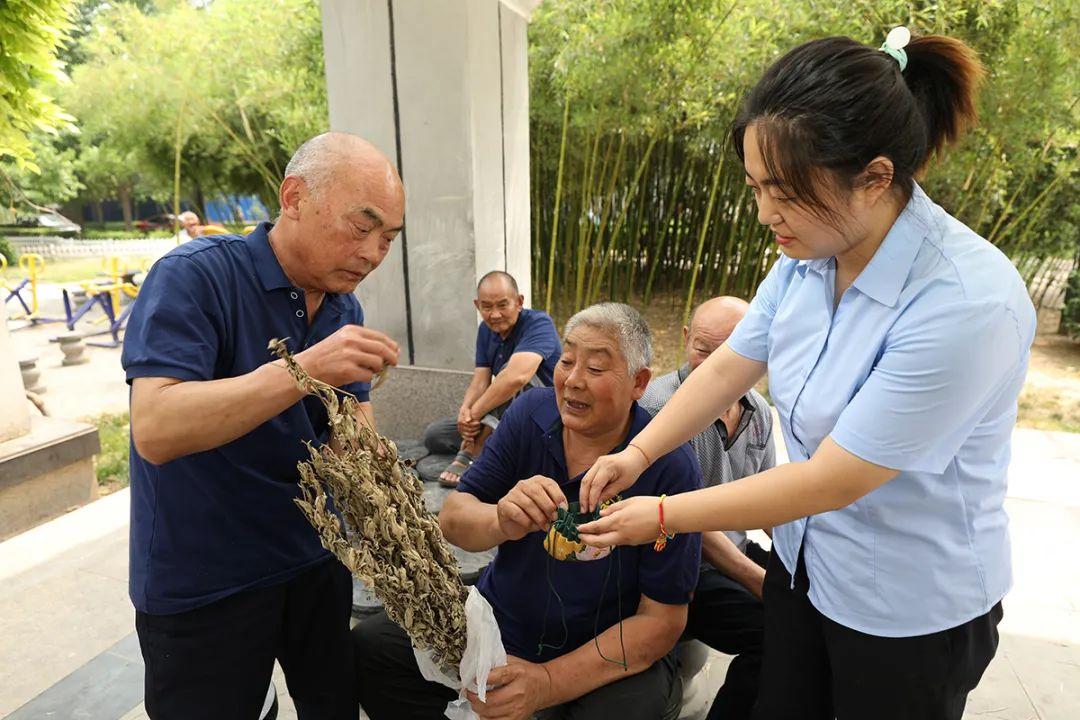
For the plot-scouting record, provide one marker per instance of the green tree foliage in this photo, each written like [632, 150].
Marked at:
[233, 85]
[30, 32]
[52, 180]
[635, 189]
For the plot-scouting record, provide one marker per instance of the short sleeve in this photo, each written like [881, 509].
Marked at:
[176, 324]
[539, 337]
[495, 472]
[934, 382]
[483, 359]
[360, 390]
[670, 576]
[751, 336]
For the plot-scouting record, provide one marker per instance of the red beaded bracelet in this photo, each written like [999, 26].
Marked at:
[661, 542]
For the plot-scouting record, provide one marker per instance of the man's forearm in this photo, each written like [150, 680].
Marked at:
[646, 639]
[501, 390]
[182, 418]
[470, 524]
[720, 552]
[474, 391]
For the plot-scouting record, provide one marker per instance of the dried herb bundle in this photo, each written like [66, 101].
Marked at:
[391, 542]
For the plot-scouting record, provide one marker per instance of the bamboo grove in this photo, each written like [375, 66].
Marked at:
[636, 194]
[639, 219]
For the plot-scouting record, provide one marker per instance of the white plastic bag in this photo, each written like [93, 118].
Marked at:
[483, 651]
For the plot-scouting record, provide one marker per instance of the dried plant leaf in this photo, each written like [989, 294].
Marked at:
[389, 541]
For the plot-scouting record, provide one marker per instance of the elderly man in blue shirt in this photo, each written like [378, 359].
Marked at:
[226, 576]
[566, 623]
[516, 349]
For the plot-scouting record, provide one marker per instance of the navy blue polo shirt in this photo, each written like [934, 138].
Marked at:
[533, 332]
[210, 524]
[528, 442]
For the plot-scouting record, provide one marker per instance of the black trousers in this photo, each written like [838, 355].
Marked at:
[391, 687]
[817, 669]
[727, 617]
[215, 662]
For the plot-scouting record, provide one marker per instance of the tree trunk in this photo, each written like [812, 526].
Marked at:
[125, 206]
[200, 202]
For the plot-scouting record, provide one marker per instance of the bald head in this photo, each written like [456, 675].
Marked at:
[342, 206]
[189, 221]
[323, 158]
[710, 325]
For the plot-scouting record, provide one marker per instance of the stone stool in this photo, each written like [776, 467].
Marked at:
[73, 348]
[31, 375]
[697, 697]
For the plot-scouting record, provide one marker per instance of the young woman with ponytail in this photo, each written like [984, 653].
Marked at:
[896, 342]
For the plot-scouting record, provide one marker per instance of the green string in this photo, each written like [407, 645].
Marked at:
[566, 524]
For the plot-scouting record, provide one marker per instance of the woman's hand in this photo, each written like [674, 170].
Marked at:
[634, 521]
[610, 475]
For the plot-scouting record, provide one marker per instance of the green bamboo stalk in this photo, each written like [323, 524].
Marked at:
[605, 215]
[555, 211]
[1037, 202]
[176, 168]
[701, 241]
[589, 192]
[656, 259]
[630, 191]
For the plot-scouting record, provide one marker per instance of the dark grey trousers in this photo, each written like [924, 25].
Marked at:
[391, 688]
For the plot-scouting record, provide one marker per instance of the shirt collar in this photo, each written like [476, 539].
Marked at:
[547, 419]
[885, 275]
[267, 267]
[819, 266]
[747, 406]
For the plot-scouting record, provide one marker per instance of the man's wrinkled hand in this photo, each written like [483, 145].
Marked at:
[530, 506]
[520, 688]
[352, 354]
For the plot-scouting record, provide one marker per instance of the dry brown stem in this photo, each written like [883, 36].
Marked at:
[390, 541]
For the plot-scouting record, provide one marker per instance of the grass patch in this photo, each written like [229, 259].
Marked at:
[120, 234]
[73, 270]
[111, 464]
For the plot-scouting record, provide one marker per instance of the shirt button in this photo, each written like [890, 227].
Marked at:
[293, 295]
[299, 313]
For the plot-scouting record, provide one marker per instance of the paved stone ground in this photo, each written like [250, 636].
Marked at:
[78, 391]
[66, 643]
[66, 622]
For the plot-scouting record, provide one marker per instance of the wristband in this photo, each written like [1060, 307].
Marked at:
[662, 540]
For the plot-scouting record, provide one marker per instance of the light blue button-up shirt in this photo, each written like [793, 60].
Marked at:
[917, 369]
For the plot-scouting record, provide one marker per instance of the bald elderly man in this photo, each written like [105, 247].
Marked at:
[726, 611]
[191, 228]
[225, 575]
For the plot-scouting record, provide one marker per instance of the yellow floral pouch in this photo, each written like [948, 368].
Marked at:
[562, 541]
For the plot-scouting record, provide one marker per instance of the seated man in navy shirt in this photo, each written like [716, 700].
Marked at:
[226, 575]
[532, 464]
[516, 348]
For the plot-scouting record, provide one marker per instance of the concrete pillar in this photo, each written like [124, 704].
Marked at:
[15, 418]
[442, 87]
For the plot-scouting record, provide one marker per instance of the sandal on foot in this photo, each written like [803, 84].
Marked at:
[461, 462]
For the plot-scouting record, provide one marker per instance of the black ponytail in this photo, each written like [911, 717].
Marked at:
[943, 75]
[827, 108]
